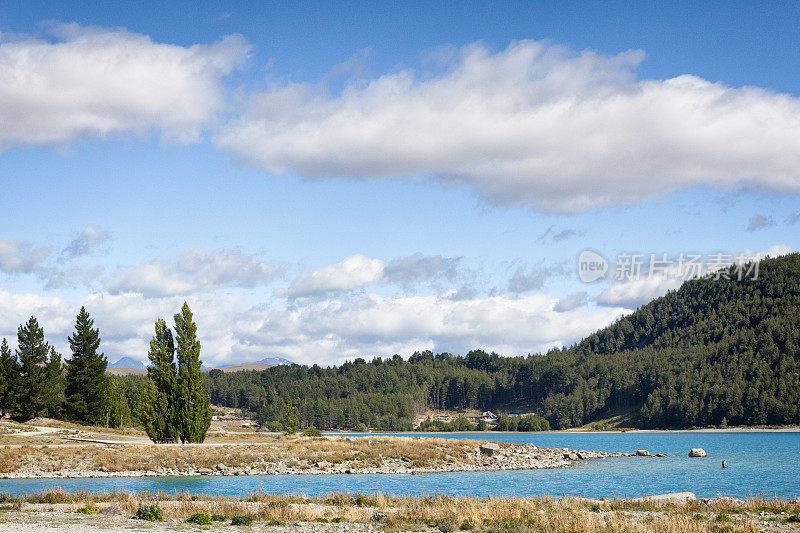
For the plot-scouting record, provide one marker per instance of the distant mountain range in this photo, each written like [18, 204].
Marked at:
[276, 361]
[130, 366]
[127, 362]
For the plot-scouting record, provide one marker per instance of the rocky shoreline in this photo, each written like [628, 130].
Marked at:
[484, 457]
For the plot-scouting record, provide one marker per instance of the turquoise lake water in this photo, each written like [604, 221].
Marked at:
[760, 464]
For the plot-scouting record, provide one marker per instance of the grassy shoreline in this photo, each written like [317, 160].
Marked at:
[278, 455]
[407, 513]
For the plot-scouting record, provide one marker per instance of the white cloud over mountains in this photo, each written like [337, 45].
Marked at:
[324, 332]
[534, 124]
[95, 82]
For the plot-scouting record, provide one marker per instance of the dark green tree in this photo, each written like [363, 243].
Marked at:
[29, 389]
[289, 417]
[86, 383]
[119, 412]
[158, 413]
[8, 378]
[192, 402]
[53, 386]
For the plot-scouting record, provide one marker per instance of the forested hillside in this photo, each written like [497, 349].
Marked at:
[714, 352]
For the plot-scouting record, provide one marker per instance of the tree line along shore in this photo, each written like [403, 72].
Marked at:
[171, 405]
[718, 352]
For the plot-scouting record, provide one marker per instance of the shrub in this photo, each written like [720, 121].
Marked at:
[447, 526]
[217, 518]
[246, 520]
[312, 432]
[201, 519]
[151, 513]
[89, 509]
[361, 427]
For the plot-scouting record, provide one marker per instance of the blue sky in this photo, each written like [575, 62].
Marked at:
[327, 181]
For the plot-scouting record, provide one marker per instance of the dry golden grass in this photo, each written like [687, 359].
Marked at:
[50, 422]
[294, 451]
[446, 513]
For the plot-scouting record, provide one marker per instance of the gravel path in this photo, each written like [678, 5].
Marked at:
[47, 522]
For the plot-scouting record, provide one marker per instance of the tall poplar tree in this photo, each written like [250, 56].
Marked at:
[86, 385]
[158, 405]
[32, 351]
[193, 404]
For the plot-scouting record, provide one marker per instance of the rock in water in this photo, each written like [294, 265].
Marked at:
[697, 452]
[490, 448]
[642, 453]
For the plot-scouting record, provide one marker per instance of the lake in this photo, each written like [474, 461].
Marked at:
[760, 464]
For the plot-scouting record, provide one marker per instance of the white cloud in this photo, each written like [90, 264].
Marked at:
[639, 291]
[371, 325]
[15, 309]
[325, 332]
[95, 82]
[758, 222]
[550, 236]
[352, 273]
[85, 243]
[73, 276]
[358, 271]
[523, 281]
[417, 268]
[573, 301]
[192, 271]
[534, 124]
[776, 250]
[632, 294]
[18, 256]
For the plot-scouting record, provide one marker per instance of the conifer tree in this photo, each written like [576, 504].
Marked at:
[158, 405]
[289, 417]
[8, 376]
[86, 386]
[32, 351]
[52, 393]
[119, 412]
[193, 404]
